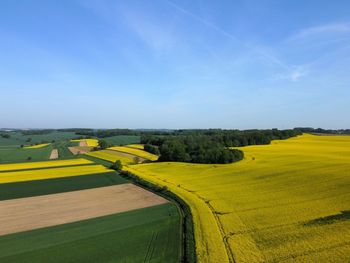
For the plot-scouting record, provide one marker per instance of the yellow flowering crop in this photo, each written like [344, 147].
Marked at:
[135, 151]
[36, 146]
[30, 175]
[89, 142]
[45, 164]
[136, 146]
[111, 157]
[288, 201]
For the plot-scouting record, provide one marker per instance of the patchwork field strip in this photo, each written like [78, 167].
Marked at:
[42, 211]
[87, 142]
[113, 156]
[44, 164]
[135, 146]
[29, 175]
[79, 149]
[37, 146]
[135, 152]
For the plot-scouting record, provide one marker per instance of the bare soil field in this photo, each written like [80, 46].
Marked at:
[24, 214]
[79, 149]
[54, 154]
[83, 143]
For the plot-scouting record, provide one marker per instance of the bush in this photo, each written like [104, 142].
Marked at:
[117, 166]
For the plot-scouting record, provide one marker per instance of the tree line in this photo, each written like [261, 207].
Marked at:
[209, 146]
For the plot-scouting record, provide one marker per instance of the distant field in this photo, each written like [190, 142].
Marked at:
[37, 146]
[111, 157]
[136, 146]
[285, 202]
[18, 138]
[122, 139]
[87, 142]
[144, 235]
[16, 154]
[135, 151]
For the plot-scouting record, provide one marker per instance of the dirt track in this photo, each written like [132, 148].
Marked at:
[42, 211]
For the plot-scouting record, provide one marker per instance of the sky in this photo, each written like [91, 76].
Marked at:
[174, 64]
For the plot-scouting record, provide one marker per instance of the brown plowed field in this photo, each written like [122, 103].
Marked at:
[24, 214]
[79, 149]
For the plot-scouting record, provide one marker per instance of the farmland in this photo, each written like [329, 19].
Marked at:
[135, 151]
[30, 175]
[112, 156]
[121, 237]
[87, 142]
[287, 201]
[38, 147]
[77, 210]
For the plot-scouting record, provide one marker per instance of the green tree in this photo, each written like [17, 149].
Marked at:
[102, 144]
[117, 165]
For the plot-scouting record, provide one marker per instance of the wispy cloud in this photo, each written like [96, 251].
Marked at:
[158, 37]
[269, 57]
[326, 29]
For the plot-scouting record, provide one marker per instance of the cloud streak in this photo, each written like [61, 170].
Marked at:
[326, 29]
[265, 55]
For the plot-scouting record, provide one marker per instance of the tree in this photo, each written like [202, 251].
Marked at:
[102, 144]
[117, 165]
[5, 135]
[151, 149]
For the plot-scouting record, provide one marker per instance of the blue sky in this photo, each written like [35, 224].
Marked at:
[174, 64]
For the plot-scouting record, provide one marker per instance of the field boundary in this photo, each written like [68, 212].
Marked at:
[188, 246]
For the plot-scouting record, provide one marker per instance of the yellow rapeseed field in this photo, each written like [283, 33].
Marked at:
[30, 175]
[89, 142]
[285, 202]
[134, 151]
[36, 146]
[45, 164]
[136, 146]
[111, 157]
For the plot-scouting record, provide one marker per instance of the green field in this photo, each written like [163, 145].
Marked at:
[122, 139]
[16, 154]
[17, 138]
[58, 185]
[144, 235]
[63, 151]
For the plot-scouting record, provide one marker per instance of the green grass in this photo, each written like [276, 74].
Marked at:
[122, 139]
[96, 160]
[58, 185]
[144, 235]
